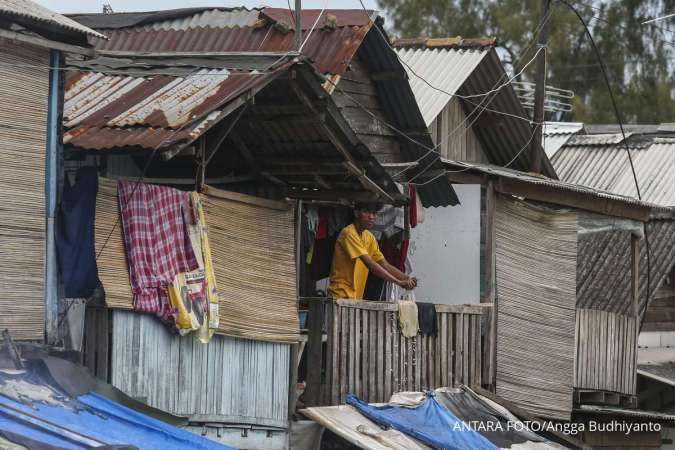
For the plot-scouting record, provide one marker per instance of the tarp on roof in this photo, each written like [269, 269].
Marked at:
[429, 422]
[39, 411]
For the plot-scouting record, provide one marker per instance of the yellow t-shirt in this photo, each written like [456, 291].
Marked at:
[348, 274]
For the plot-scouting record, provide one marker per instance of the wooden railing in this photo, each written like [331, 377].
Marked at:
[366, 354]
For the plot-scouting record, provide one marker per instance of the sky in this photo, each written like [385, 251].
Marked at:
[72, 6]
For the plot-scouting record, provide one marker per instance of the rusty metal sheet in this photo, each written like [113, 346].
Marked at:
[108, 111]
[336, 17]
[330, 50]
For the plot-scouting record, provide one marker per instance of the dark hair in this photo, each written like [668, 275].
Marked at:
[368, 206]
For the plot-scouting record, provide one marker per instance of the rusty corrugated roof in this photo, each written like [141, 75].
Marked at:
[111, 111]
[331, 46]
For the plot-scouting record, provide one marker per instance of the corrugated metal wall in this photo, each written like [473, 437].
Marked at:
[24, 91]
[459, 141]
[228, 380]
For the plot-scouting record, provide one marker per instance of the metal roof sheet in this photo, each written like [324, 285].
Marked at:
[30, 10]
[556, 134]
[622, 412]
[109, 111]
[607, 167]
[330, 49]
[433, 65]
[598, 139]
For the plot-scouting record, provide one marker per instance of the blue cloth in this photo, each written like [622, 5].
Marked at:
[75, 234]
[73, 424]
[429, 422]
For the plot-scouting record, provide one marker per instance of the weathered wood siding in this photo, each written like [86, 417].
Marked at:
[660, 314]
[227, 380]
[380, 139]
[453, 130]
[24, 92]
[606, 351]
[368, 356]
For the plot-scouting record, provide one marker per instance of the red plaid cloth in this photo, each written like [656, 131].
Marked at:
[156, 241]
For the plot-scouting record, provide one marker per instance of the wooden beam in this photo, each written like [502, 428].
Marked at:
[348, 196]
[350, 162]
[245, 198]
[635, 273]
[491, 279]
[42, 42]
[315, 321]
[321, 181]
[244, 151]
[200, 160]
[220, 137]
[387, 75]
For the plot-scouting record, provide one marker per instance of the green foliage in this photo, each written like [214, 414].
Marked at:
[639, 58]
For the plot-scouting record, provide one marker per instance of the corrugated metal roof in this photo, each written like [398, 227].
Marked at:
[598, 139]
[604, 270]
[214, 18]
[433, 65]
[556, 134]
[622, 412]
[606, 167]
[30, 10]
[106, 111]
[512, 174]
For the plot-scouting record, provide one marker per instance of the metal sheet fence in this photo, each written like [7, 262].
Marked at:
[606, 351]
[368, 356]
[228, 380]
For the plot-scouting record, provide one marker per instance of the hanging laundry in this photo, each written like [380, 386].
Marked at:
[75, 234]
[206, 331]
[322, 226]
[395, 251]
[390, 221]
[412, 193]
[426, 313]
[156, 241]
[407, 317]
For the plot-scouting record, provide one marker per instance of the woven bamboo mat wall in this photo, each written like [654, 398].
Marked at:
[112, 264]
[24, 93]
[536, 253]
[253, 250]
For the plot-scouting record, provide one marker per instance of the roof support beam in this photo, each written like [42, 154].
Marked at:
[350, 162]
[245, 152]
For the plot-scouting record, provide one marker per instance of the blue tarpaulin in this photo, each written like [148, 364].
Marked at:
[429, 422]
[33, 407]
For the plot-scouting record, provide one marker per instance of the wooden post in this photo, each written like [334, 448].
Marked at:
[635, 273]
[540, 90]
[491, 284]
[635, 279]
[200, 161]
[293, 380]
[314, 352]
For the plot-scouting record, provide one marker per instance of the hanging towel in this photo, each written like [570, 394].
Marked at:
[426, 313]
[407, 317]
[75, 234]
[156, 241]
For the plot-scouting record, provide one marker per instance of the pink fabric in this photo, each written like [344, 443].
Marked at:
[156, 241]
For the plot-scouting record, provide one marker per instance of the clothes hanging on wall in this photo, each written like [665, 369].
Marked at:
[390, 221]
[75, 234]
[408, 318]
[156, 241]
[426, 313]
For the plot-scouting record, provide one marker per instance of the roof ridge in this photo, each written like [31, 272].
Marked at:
[446, 42]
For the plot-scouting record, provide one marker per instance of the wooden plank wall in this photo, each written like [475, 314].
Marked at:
[606, 351]
[459, 141]
[660, 315]
[96, 351]
[368, 356]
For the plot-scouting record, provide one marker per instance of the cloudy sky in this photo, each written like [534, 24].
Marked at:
[72, 6]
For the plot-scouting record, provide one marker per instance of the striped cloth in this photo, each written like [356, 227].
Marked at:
[156, 241]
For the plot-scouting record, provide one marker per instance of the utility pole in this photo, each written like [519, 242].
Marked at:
[298, 24]
[540, 89]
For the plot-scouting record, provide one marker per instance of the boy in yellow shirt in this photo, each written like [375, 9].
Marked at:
[357, 253]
